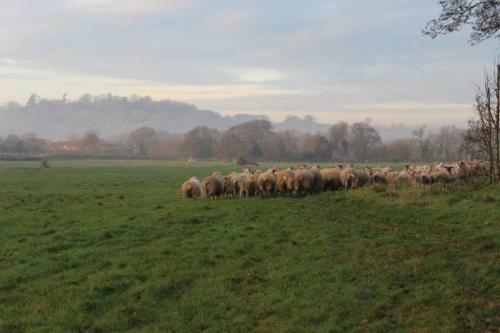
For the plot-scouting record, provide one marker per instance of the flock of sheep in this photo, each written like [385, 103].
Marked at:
[302, 180]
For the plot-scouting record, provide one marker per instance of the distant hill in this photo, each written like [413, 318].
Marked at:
[113, 115]
[109, 115]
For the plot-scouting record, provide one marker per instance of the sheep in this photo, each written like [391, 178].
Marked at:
[238, 184]
[331, 178]
[392, 177]
[423, 179]
[386, 170]
[285, 182]
[250, 185]
[442, 174]
[191, 189]
[213, 186]
[228, 186]
[346, 176]
[307, 181]
[267, 183]
[459, 170]
[370, 171]
[359, 178]
[404, 178]
[303, 182]
[255, 181]
[318, 179]
[379, 178]
[469, 168]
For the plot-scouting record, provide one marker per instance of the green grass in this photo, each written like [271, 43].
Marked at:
[102, 246]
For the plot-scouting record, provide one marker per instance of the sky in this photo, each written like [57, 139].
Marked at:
[333, 59]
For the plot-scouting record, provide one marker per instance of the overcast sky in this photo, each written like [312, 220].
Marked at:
[334, 59]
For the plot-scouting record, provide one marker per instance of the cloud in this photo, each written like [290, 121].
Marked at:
[49, 83]
[7, 62]
[229, 21]
[411, 106]
[257, 75]
[124, 6]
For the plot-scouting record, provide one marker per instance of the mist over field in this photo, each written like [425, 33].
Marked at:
[109, 116]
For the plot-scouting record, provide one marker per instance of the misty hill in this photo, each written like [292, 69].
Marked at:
[109, 115]
[113, 115]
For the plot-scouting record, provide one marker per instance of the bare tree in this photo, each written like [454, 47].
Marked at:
[142, 140]
[90, 143]
[274, 148]
[400, 150]
[482, 15]
[447, 143]
[472, 144]
[364, 140]
[322, 149]
[339, 140]
[496, 89]
[229, 147]
[422, 137]
[306, 145]
[290, 140]
[487, 121]
[484, 124]
[198, 142]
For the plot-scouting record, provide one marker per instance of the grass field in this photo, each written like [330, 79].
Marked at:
[102, 246]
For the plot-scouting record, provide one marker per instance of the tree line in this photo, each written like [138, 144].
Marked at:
[257, 141]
